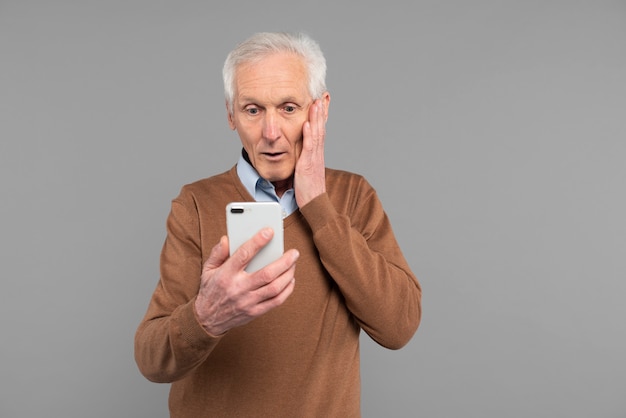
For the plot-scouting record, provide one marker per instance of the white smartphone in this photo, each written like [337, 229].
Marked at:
[244, 219]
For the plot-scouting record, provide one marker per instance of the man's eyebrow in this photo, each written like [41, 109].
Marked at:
[245, 99]
[287, 99]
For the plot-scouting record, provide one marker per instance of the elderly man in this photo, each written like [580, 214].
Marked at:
[282, 341]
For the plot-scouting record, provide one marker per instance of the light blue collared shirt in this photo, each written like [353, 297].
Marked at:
[262, 190]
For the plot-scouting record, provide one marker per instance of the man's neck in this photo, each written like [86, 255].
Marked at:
[282, 186]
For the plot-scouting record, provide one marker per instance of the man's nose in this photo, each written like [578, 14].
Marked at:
[271, 128]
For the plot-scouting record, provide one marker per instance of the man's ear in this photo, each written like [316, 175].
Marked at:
[229, 115]
[325, 104]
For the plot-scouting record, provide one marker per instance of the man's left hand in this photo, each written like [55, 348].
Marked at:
[310, 177]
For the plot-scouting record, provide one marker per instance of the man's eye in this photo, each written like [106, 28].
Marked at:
[289, 109]
[251, 111]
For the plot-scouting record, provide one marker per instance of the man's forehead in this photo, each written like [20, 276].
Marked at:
[277, 78]
[283, 59]
[275, 68]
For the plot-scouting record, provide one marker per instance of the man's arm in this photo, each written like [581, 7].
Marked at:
[358, 249]
[195, 303]
[361, 254]
[170, 341]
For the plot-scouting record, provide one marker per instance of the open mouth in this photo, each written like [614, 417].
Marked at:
[273, 154]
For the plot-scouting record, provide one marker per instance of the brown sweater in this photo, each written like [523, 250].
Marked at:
[302, 358]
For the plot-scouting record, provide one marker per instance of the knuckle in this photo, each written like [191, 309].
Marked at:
[258, 310]
[272, 289]
[240, 307]
[244, 255]
[265, 277]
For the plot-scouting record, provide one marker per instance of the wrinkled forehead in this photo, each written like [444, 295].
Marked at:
[279, 72]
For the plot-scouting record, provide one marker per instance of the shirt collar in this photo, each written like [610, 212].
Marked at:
[247, 174]
[261, 189]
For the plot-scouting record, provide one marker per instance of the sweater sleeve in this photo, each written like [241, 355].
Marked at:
[170, 342]
[361, 254]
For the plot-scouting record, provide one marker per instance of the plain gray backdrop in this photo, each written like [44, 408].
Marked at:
[494, 132]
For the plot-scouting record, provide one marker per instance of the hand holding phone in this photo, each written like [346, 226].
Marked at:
[229, 296]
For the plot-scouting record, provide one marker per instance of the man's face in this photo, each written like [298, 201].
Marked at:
[270, 105]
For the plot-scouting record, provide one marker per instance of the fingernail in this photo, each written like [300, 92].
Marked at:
[267, 232]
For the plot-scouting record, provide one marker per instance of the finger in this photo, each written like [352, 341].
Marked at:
[313, 130]
[275, 292]
[270, 303]
[218, 254]
[275, 269]
[321, 115]
[320, 120]
[307, 140]
[314, 110]
[242, 256]
[314, 121]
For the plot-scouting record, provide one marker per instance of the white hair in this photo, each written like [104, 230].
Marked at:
[262, 44]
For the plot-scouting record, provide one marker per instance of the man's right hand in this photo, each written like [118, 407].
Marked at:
[230, 297]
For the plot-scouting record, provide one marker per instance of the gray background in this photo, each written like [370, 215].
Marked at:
[494, 132]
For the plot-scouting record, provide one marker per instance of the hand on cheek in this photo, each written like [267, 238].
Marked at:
[310, 180]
